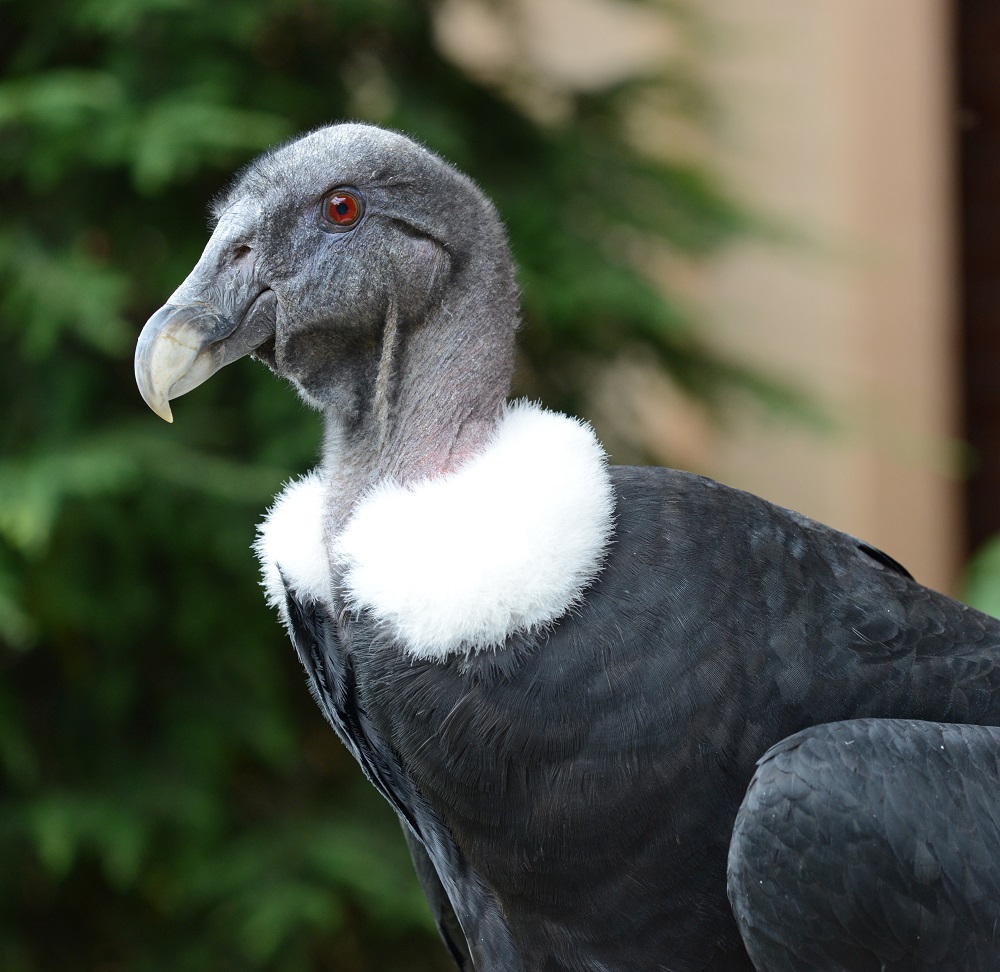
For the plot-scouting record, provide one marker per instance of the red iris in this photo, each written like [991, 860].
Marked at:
[342, 208]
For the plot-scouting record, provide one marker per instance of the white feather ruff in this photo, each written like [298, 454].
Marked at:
[290, 541]
[507, 543]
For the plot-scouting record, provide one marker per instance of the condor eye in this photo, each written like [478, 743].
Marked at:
[342, 208]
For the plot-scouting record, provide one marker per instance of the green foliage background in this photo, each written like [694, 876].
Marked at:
[170, 797]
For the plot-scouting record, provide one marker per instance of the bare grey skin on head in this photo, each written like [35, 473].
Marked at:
[399, 328]
[630, 719]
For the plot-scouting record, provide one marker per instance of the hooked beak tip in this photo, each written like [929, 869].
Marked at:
[164, 412]
[153, 392]
[175, 353]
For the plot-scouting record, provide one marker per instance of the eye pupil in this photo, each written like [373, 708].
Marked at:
[343, 208]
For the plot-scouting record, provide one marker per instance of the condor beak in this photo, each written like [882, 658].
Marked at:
[204, 327]
[179, 348]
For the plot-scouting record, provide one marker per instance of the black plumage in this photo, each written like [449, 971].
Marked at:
[833, 866]
[640, 741]
[569, 795]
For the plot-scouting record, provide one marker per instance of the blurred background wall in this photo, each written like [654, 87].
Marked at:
[843, 119]
[839, 119]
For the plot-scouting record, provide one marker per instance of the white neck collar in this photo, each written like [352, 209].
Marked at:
[507, 543]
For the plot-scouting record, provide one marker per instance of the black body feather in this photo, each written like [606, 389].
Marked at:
[590, 776]
[888, 833]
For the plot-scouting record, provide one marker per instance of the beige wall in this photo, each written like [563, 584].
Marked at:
[839, 120]
[836, 120]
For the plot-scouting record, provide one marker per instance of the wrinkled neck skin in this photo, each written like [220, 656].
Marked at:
[440, 388]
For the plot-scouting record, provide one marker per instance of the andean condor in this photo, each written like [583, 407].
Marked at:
[630, 719]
